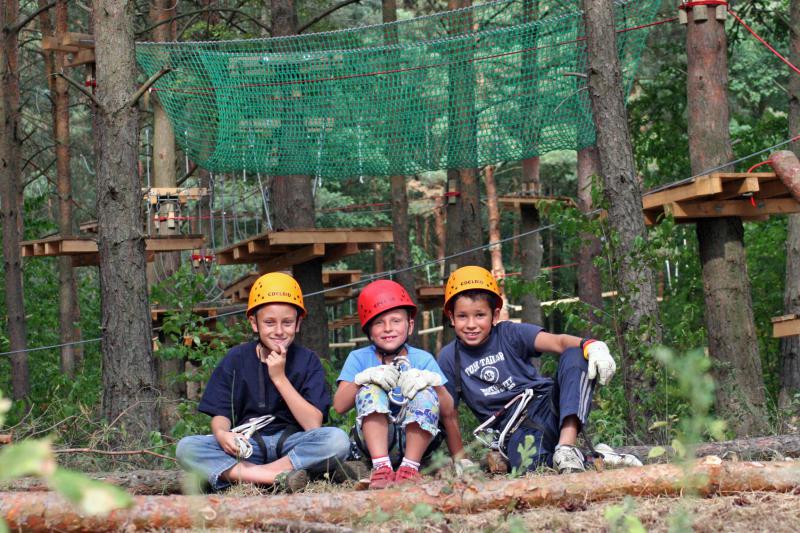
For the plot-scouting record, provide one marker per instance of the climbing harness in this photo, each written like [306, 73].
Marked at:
[245, 432]
[496, 439]
[402, 364]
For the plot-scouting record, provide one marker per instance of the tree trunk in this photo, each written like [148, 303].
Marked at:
[589, 281]
[48, 511]
[143, 482]
[129, 380]
[293, 200]
[732, 340]
[68, 308]
[790, 346]
[164, 175]
[756, 449]
[531, 250]
[463, 228]
[10, 206]
[496, 252]
[400, 225]
[639, 326]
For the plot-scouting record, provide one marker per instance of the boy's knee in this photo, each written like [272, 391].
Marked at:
[370, 390]
[337, 441]
[187, 448]
[572, 358]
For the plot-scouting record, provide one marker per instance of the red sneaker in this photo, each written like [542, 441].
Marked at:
[381, 478]
[406, 474]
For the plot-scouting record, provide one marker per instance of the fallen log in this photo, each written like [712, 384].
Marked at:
[755, 449]
[47, 511]
[142, 482]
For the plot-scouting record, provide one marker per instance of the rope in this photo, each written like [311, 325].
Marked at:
[765, 43]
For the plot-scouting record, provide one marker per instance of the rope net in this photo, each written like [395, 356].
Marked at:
[495, 82]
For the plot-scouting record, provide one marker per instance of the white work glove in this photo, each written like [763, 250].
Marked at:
[601, 364]
[463, 465]
[414, 380]
[384, 376]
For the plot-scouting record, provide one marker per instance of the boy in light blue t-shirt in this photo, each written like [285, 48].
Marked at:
[398, 390]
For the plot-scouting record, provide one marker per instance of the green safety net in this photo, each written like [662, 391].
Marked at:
[495, 82]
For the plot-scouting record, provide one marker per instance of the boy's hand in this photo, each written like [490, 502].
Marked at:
[601, 364]
[275, 361]
[227, 441]
[414, 380]
[385, 376]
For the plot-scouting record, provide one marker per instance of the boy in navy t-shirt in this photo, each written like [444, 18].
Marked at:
[371, 381]
[271, 377]
[487, 366]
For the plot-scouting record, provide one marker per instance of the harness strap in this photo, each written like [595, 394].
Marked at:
[288, 432]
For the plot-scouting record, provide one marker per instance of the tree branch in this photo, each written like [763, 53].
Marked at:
[204, 10]
[121, 452]
[27, 20]
[78, 86]
[324, 14]
[149, 83]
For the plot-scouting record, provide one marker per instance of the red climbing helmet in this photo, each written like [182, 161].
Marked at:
[383, 295]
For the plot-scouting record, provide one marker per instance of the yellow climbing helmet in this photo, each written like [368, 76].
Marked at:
[275, 287]
[470, 278]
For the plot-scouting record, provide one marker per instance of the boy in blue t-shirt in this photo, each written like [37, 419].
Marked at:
[488, 366]
[274, 381]
[370, 380]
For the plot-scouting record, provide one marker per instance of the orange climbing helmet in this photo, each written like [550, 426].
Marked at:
[470, 278]
[275, 287]
[380, 296]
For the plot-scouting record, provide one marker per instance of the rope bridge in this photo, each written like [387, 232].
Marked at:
[499, 81]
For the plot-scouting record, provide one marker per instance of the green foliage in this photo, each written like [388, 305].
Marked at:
[526, 450]
[36, 458]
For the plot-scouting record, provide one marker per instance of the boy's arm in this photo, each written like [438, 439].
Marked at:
[345, 397]
[221, 429]
[306, 414]
[552, 343]
[449, 417]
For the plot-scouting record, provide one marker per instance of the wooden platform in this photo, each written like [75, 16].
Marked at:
[751, 196]
[180, 194]
[239, 290]
[280, 250]
[344, 322]
[786, 326]
[430, 296]
[83, 249]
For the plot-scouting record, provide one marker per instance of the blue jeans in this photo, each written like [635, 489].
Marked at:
[311, 450]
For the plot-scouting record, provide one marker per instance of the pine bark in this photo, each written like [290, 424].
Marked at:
[463, 228]
[639, 326]
[493, 210]
[530, 244]
[589, 281]
[400, 223]
[129, 380]
[730, 326]
[165, 175]
[48, 511]
[10, 193]
[790, 346]
[68, 308]
[293, 200]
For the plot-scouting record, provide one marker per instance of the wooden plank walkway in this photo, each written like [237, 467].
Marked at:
[280, 250]
[752, 196]
[83, 249]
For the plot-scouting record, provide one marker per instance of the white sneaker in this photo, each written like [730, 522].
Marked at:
[568, 459]
[613, 459]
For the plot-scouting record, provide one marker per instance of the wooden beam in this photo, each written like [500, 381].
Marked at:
[174, 243]
[772, 189]
[339, 251]
[331, 236]
[53, 43]
[80, 40]
[701, 186]
[301, 255]
[738, 187]
[786, 326]
[733, 208]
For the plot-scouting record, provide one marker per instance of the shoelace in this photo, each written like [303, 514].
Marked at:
[246, 430]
